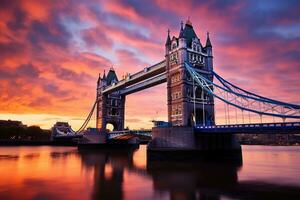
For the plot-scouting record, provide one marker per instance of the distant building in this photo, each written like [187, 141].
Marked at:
[62, 130]
[12, 123]
[16, 130]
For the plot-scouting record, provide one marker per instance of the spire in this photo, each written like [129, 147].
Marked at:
[181, 34]
[208, 43]
[168, 42]
[104, 76]
[99, 78]
[188, 22]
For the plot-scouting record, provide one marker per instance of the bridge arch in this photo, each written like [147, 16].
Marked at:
[110, 126]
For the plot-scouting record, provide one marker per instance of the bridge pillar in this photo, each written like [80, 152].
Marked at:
[188, 105]
[110, 106]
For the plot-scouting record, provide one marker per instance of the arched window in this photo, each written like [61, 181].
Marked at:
[110, 127]
[174, 46]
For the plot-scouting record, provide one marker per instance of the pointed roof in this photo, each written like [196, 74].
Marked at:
[104, 76]
[188, 33]
[168, 42]
[111, 75]
[174, 39]
[208, 43]
[99, 79]
[181, 34]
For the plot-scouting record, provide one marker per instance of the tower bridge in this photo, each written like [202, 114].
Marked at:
[189, 72]
[192, 88]
[182, 111]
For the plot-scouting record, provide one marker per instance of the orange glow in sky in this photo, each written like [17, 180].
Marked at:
[51, 53]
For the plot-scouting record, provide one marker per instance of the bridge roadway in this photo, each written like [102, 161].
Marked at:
[126, 133]
[149, 77]
[259, 128]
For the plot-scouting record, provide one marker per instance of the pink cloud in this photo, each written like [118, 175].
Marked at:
[63, 44]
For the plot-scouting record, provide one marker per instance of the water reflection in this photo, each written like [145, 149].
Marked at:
[195, 180]
[64, 173]
[178, 180]
[65, 154]
[109, 169]
[31, 156]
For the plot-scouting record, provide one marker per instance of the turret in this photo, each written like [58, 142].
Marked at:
[208, 48]
[104, 76]
[182, 45]
[101, 81]
[168, 43]
[208, 45]
[182, 38]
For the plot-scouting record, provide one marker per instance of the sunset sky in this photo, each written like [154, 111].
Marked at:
[52, 51]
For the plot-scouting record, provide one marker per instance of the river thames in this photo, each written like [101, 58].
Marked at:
[267, 172]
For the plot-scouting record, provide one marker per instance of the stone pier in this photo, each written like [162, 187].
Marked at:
[184, 143]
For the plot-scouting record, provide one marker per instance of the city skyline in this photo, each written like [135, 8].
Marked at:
[52, 52]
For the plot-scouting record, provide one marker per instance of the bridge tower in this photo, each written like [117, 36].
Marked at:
[110, 106]
[188, 106]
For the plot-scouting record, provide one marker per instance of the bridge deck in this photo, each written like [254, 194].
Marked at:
[118, 134]
[259, 128]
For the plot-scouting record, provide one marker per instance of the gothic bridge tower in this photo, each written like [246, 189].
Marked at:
[110, 106]
[187, 107]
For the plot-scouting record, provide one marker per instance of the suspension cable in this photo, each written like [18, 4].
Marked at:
[212, 88]
[203, 111]
[228, 109]
[194, 97]
[228, 84]
[249, 117]
[87, 119]
[243, 116]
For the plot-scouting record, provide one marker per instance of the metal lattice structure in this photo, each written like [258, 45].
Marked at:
[242, 99]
